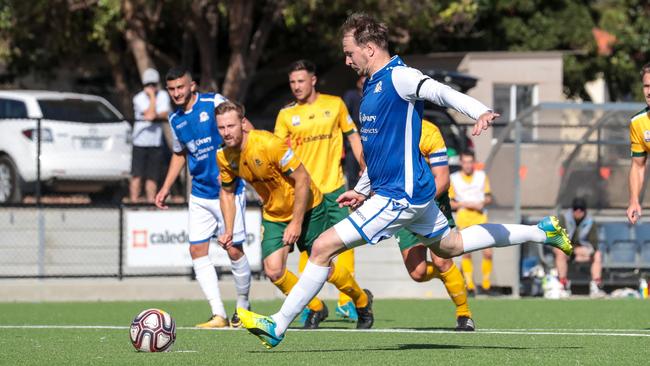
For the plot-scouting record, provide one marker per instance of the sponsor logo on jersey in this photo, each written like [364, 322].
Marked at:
[646, 136]
[311, 116]
[203, 141]
[295, 120]
[203, 116]
[378, 87]
[191, 146]
[327, 114]
[181, 125]
[367, 118]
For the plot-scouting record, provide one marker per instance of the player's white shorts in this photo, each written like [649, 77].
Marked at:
[380, 217]
[206, 220]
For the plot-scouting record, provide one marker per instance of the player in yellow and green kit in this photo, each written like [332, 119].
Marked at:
[414, 253]
[293, 211]
[639, 146]
[314, 125]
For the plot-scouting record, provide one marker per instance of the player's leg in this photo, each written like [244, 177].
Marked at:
[274, 257]
[455, 286]
[486, 269]
[345, 307]
[202, 225]
[317, 221]
[239, 265]
[477, 237]
[375, 220]
[414, 255]
[468, 271]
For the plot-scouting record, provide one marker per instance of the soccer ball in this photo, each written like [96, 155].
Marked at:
[153, 330]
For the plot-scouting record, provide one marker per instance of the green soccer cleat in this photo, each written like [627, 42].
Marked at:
[556, 235]
[261, 326]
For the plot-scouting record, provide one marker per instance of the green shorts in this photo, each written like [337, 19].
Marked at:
[407, 239]
[335, 213]
[314, 224]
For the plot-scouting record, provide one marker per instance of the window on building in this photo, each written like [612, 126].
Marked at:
[509, 101]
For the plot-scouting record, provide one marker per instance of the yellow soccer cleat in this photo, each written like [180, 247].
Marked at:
[215, 322]
[263, 327]
[556, 235]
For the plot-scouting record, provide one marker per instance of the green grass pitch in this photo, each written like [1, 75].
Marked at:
[407, 332]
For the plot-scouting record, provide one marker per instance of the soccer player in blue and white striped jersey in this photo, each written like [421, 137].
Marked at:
[404, 188]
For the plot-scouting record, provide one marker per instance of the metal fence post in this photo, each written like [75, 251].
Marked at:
[39, 206]
[517, 185]
[120, 260]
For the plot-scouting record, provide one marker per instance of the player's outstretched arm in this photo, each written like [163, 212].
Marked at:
[228, 210]
[176, 164]
[637, 174]
[411, 84]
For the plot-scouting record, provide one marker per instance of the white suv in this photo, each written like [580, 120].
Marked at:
[85, 144]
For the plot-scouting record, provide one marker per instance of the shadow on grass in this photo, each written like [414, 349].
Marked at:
[420, 347]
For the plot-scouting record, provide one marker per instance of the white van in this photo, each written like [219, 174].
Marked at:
[85, 144]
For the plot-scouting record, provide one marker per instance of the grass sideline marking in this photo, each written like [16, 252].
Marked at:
[567, 332]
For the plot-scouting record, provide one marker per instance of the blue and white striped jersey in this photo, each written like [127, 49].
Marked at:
[390, 116]
[196, 131]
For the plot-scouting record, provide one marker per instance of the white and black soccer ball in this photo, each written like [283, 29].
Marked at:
[153, 330]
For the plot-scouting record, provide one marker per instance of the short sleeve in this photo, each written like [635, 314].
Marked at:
[432, 146]
[487, 189]
[177, 146]
[218, 99]
[162, 102]
[452, 193]
[281, 129]
[227, 175]
[140, 105]
[283, 155]
[637, 143]
[344, 120]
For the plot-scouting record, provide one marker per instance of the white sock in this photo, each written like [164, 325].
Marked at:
[241, 271]
[309, 284]
[207, 277]
[483, 236]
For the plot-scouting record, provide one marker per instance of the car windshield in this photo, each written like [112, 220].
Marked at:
[77, 110]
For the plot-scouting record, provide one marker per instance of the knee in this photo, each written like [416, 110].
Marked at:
[419, 273]
[274, 274]
[442, 265]
[321, 252]
[198, 250]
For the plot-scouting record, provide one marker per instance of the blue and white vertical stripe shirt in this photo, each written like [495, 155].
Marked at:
[196, 131]
[390, 117]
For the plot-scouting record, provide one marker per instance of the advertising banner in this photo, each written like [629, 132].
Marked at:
[161, 239]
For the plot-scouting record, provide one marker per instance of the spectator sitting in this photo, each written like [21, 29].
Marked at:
[151, 106]
[584, 237]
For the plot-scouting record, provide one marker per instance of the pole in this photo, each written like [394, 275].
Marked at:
[39, 206]
[120, 251]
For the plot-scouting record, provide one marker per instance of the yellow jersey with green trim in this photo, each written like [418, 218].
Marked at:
[432, 146]
[266, 163]
[640, 133]
[315, 132]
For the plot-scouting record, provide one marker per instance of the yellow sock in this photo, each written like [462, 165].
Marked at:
[346, 260]
[286, 283]
[432, 272]
[302, 262]
[455, 286]
[486, 270]
[468, 268]
[344, 281]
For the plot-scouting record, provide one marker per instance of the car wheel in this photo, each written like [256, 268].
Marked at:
[9, 182]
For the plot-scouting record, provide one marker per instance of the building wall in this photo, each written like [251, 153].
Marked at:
[543, 69]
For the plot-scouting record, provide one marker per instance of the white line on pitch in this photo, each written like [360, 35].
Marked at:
[568, 332]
